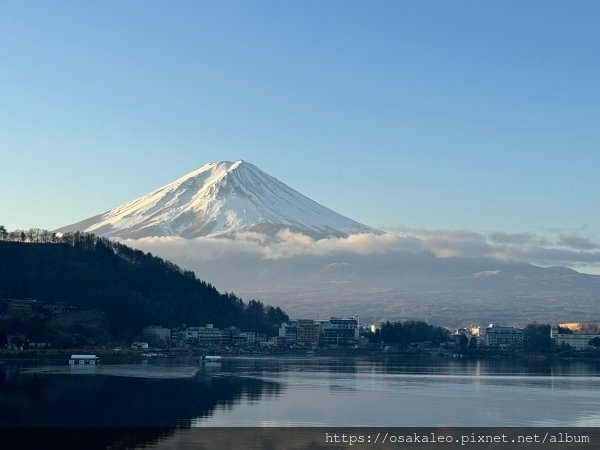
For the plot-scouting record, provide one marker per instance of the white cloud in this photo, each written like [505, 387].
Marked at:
[569, 250]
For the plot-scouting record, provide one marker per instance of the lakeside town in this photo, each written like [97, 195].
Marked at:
[344, 336]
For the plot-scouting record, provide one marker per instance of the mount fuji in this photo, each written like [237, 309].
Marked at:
[218, 200]
[402, 278]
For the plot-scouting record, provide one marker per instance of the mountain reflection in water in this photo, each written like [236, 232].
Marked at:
[63, 399]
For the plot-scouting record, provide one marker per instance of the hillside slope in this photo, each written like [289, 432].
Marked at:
[133, 288]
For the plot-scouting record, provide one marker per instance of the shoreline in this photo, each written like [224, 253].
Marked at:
[109, 353]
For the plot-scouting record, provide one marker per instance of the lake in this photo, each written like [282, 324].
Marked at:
[396, 391]
[313, 391]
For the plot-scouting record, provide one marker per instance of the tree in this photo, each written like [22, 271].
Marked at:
[375, 337]
[537, 337]
[564, 347]
[595, 342]
[3, 233]
[276, 315]
[473, 343]
[134, 289]
[406, 333]
[462, 342]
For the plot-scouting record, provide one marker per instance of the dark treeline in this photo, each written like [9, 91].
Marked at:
[536, 337]
[32, 235]
[409, 332]
[134, 289]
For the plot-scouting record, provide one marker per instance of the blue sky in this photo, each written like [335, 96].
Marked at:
[439, 115]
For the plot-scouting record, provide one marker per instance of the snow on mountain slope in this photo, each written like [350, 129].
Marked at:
[217, 200]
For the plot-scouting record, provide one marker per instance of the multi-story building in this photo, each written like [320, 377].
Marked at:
[278, 341]
[308, 333]
[156, 332]
[61, 307]
[20, 306]
[229, 335]
[207, 335]
[247, 337]
[338, 332]
[289, 332]
[503, 338]
[575, 340]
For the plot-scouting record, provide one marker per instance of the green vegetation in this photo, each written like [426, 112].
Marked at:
[129, 289]
[537, 337]
[409, 332]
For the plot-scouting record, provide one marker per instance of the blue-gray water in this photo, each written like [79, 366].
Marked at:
[307, 391]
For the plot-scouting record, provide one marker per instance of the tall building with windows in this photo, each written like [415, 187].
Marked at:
[503, 338]
[308, 333]
[289, 332]
[338, 332]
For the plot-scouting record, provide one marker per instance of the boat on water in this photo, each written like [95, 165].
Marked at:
[210, 359]
[84, 360]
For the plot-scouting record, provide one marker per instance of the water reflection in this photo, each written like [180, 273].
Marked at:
[388, 391]
[116, 396]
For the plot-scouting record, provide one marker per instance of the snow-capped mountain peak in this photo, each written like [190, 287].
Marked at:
[219, 199]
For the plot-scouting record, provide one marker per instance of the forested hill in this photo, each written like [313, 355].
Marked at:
[133, 288]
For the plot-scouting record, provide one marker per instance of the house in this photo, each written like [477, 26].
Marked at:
[91, 360]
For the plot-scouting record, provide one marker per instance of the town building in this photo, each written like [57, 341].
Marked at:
[278, 341]
[20, 306]
[308, 333]
[247, 337]
[91, 360]
[289, 332]
[157, 333]
[231, 336]
[61, 307]
[139, 345]
[338, 332]
[503, 338]
[205, 336]
[582, 327]
[579, 341]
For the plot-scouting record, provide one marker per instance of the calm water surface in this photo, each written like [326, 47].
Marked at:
[302, 391]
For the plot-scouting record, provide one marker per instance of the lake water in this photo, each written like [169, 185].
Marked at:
[302, 391]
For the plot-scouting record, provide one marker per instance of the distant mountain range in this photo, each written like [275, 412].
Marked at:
[219, 200]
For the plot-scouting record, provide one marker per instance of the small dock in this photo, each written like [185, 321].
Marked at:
[82, 360]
